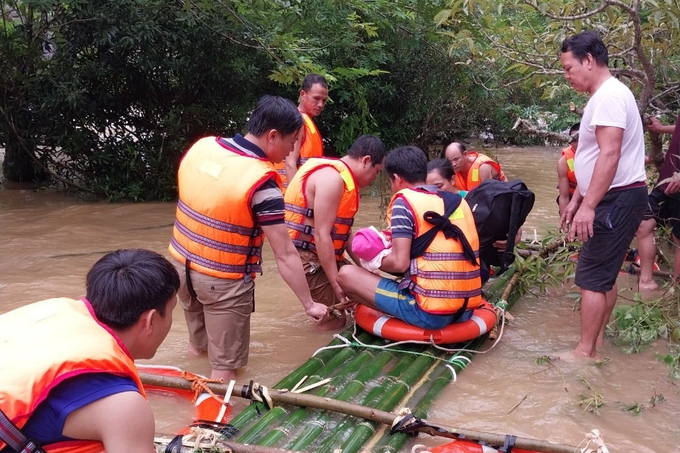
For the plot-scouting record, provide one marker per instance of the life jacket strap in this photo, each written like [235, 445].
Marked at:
[12, 436]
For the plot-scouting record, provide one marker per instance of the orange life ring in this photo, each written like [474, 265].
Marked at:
[469, 446]
[378, 323]
[656, 265]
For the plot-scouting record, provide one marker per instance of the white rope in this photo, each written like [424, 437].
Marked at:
[201, 436]
[594, 437]
[463, 361]
[260, 393]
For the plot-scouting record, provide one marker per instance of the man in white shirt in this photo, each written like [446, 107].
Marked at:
[611, 199]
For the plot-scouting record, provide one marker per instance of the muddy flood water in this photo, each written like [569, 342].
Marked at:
[48, 241]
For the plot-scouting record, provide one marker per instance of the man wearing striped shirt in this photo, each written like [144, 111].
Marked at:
[229, 199]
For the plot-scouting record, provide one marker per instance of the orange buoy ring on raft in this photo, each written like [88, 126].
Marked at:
[378, 323]
[468, 446]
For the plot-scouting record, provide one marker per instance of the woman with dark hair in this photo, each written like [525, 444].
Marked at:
[440, 173]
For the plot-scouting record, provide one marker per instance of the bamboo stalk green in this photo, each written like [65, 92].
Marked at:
[396, 441]
[370, 400]
[329, 361]
[315, 363]
[311, 432]
[391, 399]
[342, 376]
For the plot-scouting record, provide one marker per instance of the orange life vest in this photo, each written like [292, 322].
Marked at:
[214, 225]
[442, 280]
[312, 146]
[471, 179]
[299, 215]
[569, 153]
[44, 343]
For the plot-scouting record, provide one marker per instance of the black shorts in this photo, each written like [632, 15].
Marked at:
[617, 218]
[665, 209]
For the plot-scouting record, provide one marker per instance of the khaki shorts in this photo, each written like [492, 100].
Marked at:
[317, 280]
[219, 317]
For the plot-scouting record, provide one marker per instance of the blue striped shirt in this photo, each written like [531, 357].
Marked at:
[267, 202]
[402, 223]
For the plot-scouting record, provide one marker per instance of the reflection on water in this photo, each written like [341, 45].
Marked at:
[49, 241]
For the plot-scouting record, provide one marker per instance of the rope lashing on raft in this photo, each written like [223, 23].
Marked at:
[198, 438]
[594, 437]
[199, 385]
[257, 394]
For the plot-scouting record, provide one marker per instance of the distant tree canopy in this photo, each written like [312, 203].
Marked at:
[522, 40]
[104, 97]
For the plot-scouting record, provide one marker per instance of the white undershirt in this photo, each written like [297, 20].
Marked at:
[613, 104]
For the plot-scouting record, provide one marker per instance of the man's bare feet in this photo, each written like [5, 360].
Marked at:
[647, 285]
[195, 351]
[573, 356]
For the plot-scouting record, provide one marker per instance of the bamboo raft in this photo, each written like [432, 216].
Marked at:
[362, 385]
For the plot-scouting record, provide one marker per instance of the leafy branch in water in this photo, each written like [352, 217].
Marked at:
[545, 265]
[592, 401]
[672, 359]
[637, 325]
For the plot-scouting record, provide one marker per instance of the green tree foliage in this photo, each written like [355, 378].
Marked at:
[106, 96]
[523, 37]
[128, 85]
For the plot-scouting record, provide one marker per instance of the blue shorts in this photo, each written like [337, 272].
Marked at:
[401, 304]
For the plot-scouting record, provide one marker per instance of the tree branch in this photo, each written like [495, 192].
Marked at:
[525, 127]
[599, 9]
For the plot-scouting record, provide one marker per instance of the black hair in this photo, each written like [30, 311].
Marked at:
[274, 112]
[311, 79]
[443, 166]
[124, 284]
[575, 128]
[368, 145]
[409, 162]
[584, 43]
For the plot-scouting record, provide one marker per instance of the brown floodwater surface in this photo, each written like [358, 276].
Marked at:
[48, 241]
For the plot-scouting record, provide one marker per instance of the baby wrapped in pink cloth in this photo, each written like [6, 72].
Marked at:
[371, 246]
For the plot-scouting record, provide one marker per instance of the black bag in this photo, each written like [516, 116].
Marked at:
[500, 209]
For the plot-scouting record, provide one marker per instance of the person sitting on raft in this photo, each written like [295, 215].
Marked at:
[434, 245]
[440, 173]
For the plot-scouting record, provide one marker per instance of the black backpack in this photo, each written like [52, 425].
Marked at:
[500, 209]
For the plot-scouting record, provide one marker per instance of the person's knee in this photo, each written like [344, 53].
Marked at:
[346, 274]
[646, 228]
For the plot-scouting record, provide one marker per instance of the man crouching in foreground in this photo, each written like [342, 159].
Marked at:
[433, 234]
[68, 380]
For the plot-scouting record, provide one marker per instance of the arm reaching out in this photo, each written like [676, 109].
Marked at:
[290, 268]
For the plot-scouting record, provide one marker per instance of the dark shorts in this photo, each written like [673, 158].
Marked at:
[665, 209]
[617, 218]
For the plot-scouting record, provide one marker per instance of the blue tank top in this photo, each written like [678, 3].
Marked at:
[47, 422]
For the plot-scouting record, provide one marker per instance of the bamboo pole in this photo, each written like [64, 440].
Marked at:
[315, 426]
[327, 361]
[315, 363]
[397, 441]
[389, 401]
[274, 436]
[370, 400]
